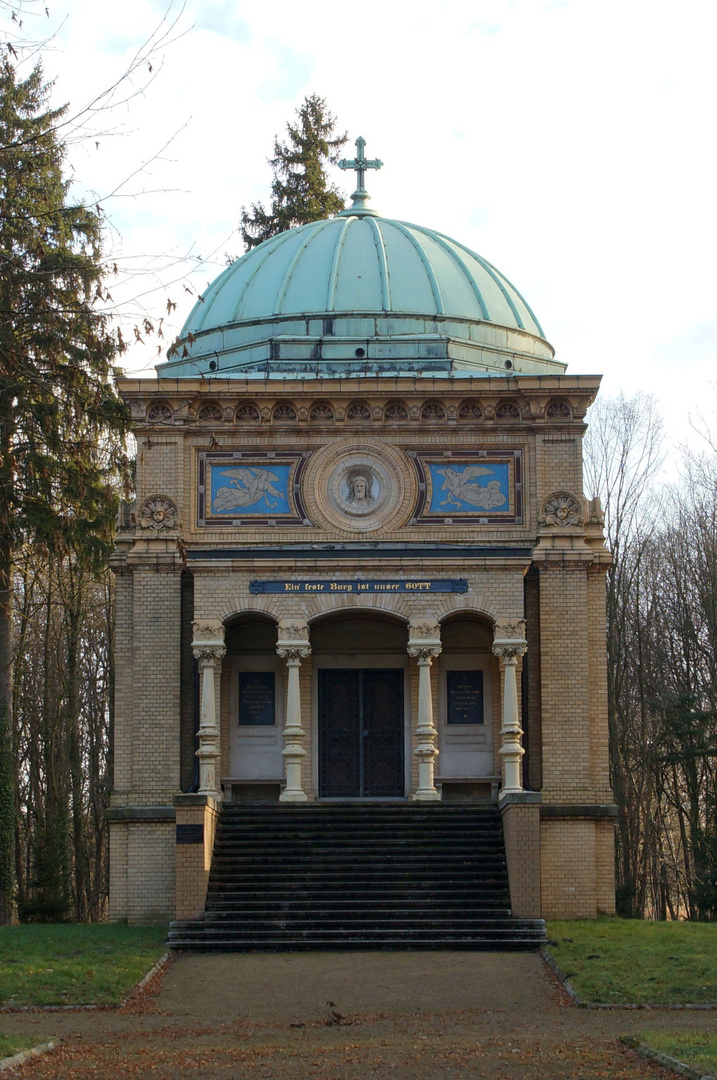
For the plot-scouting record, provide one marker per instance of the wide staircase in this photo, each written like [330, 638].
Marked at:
[358, 876]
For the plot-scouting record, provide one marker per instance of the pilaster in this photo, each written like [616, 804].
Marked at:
[148, 713]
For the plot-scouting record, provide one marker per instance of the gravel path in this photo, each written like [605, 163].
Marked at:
[410, 1016]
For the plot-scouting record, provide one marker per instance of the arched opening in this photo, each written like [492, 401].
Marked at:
[360, 698]
[468, 710]
[252, 695]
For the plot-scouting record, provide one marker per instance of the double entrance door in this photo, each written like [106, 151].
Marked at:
[361, 733]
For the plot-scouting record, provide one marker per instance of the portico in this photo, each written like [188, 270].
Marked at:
[277, 714]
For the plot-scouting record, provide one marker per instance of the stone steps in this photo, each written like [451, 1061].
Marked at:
[358, 876]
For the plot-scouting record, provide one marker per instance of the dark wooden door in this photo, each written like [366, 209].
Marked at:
[361, 733]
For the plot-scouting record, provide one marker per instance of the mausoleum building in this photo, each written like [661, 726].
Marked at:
[360, 568]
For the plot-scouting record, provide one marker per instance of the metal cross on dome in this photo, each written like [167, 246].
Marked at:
[360, 163]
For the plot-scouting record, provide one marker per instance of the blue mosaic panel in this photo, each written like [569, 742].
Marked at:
[470, 488]
[238, 491]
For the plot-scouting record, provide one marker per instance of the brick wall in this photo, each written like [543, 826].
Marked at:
[521, 831]
[194, 858]
[565, 609]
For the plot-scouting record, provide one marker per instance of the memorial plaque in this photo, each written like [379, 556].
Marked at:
[465, 697]
[256, 698]
[190, 834]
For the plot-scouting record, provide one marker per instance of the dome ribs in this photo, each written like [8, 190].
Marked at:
[441, 241]
[334, 275]
[430, 274]
[492, 273]
[382, 263]
[271, 246]
[318, 226]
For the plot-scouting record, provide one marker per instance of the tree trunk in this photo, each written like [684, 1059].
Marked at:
[7, 750]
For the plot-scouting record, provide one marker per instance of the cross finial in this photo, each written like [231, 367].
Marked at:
[360, 163]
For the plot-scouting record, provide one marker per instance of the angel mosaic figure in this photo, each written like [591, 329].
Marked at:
[250, 486]
[463, 487]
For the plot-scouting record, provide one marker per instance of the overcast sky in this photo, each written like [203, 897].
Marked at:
[570, 142]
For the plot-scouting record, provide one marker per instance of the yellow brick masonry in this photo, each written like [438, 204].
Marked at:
[155, 675]
[147, 738]
[194, 860]
[521, 829]
[552, 449]
[574, 862]
[143, 868]
[567, 775]
[576, 850]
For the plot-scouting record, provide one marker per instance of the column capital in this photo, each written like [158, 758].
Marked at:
[509, 641]
[424, 640]
[294, 654]
[293, 640]
[425, 654]
[508, 652]
[208, 654]
[208, 640]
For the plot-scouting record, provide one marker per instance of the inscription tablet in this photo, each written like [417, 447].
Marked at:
[256, 698]
[465, 697]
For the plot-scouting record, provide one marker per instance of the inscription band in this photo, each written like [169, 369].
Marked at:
[414, 585]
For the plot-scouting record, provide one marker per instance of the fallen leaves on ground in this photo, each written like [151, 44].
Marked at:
[395, 1050]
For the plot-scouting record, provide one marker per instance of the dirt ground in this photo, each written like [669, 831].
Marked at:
[408, 1016]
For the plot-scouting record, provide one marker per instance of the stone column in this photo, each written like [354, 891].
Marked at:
[208, 648]
[293, 646]
[424, 644]
[508, 645]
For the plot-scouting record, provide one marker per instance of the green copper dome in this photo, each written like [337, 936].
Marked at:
[358, 294]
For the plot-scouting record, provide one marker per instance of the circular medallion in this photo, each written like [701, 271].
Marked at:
[357, 487]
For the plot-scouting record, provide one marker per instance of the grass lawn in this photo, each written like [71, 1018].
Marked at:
[696, 1049]
[73, 964]
[14, 1044]
[629, 961]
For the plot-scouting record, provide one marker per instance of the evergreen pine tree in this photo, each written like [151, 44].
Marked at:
[300, 191]
[61, 420]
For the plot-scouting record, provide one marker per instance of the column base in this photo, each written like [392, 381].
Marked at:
[428, 795]
[293, 797]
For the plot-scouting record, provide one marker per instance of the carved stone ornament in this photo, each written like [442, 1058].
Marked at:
[424, 651]
[293, 630]
[293, 640]
[208, 640]
[157, 512]
[359, 492]
[560, 510]
[293, 654]
[510, 631]
[207, 655]
[594, 513]
[427, 629]
[356, 486]
[207, 631]
[509, 641]
[510, 651]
